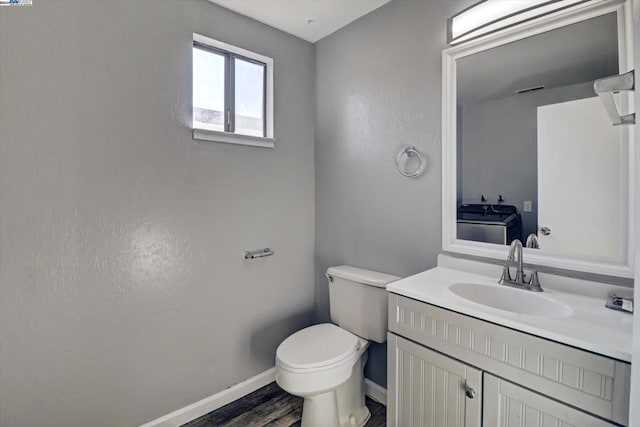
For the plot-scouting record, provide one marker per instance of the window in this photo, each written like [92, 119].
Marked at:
[232, 94]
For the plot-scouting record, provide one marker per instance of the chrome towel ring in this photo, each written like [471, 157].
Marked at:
[410, 152]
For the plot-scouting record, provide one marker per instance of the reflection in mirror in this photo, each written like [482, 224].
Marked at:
[537, 157]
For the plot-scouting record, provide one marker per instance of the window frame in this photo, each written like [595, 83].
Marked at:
[231, 53]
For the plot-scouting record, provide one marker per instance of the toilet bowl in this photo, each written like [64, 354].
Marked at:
[324, 363]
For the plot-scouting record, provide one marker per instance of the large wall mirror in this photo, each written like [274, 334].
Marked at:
[529, 150]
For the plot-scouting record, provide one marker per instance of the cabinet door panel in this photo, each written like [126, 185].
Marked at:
[427, 389]
[509, 405]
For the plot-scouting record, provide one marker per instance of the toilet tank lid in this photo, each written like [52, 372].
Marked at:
[360, 275]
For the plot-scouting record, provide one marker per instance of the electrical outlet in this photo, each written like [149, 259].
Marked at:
[528, 206]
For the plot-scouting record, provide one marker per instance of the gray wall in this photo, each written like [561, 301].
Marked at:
[124, 293]
[499, 148]
[378, 86]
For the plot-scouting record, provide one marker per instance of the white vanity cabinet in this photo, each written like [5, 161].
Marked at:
[445, 366]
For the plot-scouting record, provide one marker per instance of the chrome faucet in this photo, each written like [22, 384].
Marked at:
[515, 257]
[532, 241]
[515, 254]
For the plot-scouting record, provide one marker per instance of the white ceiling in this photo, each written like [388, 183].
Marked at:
[293, 16]
[574, 54]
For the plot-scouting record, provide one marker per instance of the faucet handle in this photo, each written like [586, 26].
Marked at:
[534, 283]
[506, 273]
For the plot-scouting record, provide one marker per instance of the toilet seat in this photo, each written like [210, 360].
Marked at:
[317, 348]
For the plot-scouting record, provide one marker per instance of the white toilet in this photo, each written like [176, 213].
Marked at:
[324, 363]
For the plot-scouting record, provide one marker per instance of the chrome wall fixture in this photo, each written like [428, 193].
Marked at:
[606, 87]
[411, 152]
[258, 253]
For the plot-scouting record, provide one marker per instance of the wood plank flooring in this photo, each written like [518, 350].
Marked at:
[271, 406]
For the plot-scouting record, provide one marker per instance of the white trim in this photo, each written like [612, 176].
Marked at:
[230, 48]
[269, 119]
[572, 15]
[211, 403]
[492, 21]
[375, 392]
[619, 268]
[534, 257]
[233, 393]
[232, 138]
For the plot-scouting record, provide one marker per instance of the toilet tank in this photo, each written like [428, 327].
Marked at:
[358, 301]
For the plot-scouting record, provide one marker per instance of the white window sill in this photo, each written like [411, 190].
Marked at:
[230, 138]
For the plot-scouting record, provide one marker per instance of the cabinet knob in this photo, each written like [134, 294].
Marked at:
[469, 391]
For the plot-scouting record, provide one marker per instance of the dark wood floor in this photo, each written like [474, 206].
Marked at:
[271, 406]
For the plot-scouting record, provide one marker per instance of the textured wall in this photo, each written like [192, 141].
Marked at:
[123, 292]
[378, 86]
[499, 148]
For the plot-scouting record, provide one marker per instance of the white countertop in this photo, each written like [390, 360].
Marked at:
[591, 327]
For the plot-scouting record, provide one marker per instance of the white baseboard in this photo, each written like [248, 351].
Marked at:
[211, 403]
[218, 400]
[375, 391]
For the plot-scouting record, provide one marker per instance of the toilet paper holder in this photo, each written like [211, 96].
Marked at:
[258, 253]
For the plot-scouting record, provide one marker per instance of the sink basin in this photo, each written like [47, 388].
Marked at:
[511, 299]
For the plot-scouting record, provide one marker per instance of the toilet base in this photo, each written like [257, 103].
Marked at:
[341, 407]
[321, 410]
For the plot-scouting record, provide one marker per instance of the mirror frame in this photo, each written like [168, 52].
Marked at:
[590, 9]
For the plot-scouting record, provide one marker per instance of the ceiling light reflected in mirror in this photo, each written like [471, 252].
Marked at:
[490, 16]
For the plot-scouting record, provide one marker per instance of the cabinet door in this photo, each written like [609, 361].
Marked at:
[508, 405]
[428, 389]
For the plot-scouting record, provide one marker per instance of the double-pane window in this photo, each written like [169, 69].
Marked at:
[229, 92]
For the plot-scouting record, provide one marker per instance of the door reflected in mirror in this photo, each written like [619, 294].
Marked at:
[537, 156]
